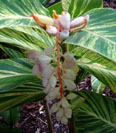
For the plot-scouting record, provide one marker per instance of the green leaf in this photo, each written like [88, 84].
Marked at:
[79, 7]
[11, 116]
[18, 84]
[66, 4]
[22, 8]
[105, 75]
[18, 96]
[11, 52]
[14, 72]
[97, 114]
[25, 38]
[97, 86]
[76, 7]
[97, 42]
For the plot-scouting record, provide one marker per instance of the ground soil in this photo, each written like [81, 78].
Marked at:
[33, 116]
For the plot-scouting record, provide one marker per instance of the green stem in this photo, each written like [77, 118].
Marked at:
[50, 128]
[65, 47]
[71, 125]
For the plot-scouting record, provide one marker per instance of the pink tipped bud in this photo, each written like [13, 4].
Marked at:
[77, 22]
[43, 20]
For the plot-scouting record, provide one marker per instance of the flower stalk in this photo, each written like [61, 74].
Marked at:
[58, 65]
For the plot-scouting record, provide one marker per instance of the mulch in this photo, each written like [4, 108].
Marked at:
[33, 116]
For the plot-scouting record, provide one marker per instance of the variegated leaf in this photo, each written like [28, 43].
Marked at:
[97, 86]
[76, 7]
[97, 41]
[14, 72]
[104, 74]
[96, 114]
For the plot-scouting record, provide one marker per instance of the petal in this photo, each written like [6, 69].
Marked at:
[52, 81]
[65, 103]
[64, 35]
[54, 92]
[54, 108]
[36, 71]
[51, 30]
[69, 74]
[60, 113]
[69, 62]
[64, 120]
[47, 71]
[43, 59]
[33, 54]
[65, 20]
[68, 112]
[69, 84]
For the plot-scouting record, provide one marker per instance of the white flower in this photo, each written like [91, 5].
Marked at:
[64, 103]
[36, 71]
[69, 84]
[69, 74]
[43, 59]
[60, 113]
[69, 62]
[64, 34]
[68, 112]
[33, 54]
[63, 20]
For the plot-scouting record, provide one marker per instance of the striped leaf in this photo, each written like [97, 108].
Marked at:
[66, 4]
[97, 114]
[76, 7]
[97, 41]
[25, 39]
[14, 72]
[18, 84]
[104, 74]
[22, 8]
[11, 99]
[97, 86]
[16, 13]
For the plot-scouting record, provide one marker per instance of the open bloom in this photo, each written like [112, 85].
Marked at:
[61, 23]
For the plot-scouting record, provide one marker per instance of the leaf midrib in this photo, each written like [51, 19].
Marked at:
[104, 120]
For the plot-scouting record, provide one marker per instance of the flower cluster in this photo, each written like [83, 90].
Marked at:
[57, 74]
[45, 68]
[61, 23]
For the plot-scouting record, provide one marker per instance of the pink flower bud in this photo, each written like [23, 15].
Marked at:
[79, 21]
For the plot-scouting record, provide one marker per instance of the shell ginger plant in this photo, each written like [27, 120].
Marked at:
[57, 73]
[63, 50]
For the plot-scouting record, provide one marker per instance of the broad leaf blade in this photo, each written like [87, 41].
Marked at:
[104, 74]
[14, 72]
[96, 114]
[79, 7]
[22, 7]
[97, 41]
[76, 7]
